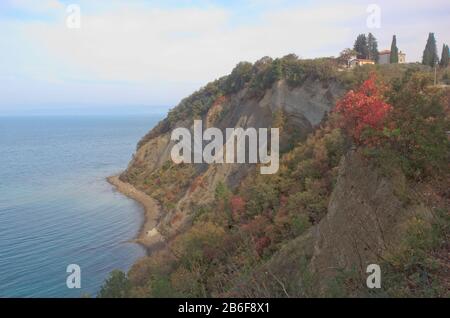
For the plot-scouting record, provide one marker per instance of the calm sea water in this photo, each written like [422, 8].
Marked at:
[57, 209]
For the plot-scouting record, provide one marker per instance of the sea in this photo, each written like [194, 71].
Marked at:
[56, 207]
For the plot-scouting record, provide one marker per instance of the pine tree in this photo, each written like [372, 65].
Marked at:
[445, 56]
[430, 56]
[361, 47]
[372, 47]
[394, 51]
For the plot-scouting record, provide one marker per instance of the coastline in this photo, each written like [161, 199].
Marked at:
[148, 236]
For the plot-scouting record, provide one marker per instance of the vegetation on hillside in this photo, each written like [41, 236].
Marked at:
[393, 115]
[256, 79]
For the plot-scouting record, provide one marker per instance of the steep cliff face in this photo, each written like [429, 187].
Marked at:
[336, 205]
[297, 109]
[366, 221]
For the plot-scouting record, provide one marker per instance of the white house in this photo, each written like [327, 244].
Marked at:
[359, 62]
[385, 57]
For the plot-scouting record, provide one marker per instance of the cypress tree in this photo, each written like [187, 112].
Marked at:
[373, 47]
[430, 56]
[394, 51]
[445, 56]
[361, 47]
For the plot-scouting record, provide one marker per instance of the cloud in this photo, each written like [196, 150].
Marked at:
[132, 44]
[41, 6]
[160, 53]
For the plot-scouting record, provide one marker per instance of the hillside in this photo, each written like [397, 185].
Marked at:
[182, 189]
[346, 195]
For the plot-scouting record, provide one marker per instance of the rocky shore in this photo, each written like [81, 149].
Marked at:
[148, 236]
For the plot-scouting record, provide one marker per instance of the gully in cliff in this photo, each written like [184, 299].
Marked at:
[209, 146]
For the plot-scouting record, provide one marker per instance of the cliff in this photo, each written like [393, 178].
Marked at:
[367, 221]
[339, 202]
[182, 188]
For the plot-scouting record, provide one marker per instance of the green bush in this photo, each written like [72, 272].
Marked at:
[417, 267]
[239, 77]
[116, 286]
[421, 141]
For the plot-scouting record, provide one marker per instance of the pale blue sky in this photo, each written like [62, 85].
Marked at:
[132, 54]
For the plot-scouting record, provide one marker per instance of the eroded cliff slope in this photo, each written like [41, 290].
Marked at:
[339, 202]
[180, 188]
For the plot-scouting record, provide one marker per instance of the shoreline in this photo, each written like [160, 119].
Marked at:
[148, 235]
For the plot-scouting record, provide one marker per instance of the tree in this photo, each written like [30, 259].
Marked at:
[276, 71]
[394, 51]
[372, 47]
[445, 56]
[240, 76]
[116, 286]
[345, 56]
[430, 56]
[364, 108]
[361, 46]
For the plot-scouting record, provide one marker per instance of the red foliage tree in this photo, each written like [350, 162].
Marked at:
[363, 108]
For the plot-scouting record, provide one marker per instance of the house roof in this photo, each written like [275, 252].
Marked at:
[389, 52]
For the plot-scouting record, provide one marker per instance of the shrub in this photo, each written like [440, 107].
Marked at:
[300, 224]
[238, 78]
[197, 251]
[201, 243]
[116, 286]
[419, 115]
[362, 109]
[237, 207]
[417, 267]
[261, 197]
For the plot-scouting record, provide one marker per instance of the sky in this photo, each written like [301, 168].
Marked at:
[148, 55]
